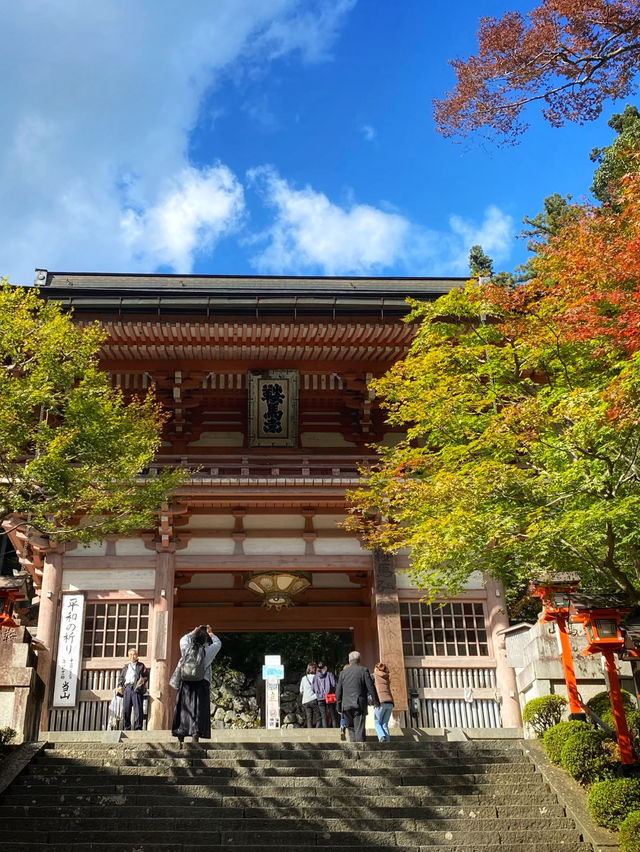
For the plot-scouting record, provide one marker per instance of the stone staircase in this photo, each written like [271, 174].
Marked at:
[154, 797]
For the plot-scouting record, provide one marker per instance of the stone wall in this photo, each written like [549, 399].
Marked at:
[21, 690]
[237, 702]
[535, 656]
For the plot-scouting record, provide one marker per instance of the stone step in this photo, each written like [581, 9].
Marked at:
[210, 758]
[309, 838]
[188, 846]
[178, 794]
[301, 812]
[263, 825]
[399, 748]
[212, 768]
[154, 797]
[220, 796]
[248, 784]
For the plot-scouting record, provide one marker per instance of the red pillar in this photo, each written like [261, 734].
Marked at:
[622, 731]
[567, 666]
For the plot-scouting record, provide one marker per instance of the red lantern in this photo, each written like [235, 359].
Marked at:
[556, 594]
[601, 617]
[12, 589]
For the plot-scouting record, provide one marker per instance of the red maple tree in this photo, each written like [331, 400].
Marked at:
[592, 267]
[573, 55]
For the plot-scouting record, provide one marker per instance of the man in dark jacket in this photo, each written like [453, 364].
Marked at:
[355, 685]
[132, 685]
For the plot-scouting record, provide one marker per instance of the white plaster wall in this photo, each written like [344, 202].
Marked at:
[273, 522]
[337, 547]
[474, 582]
[96, 548]
[131, 579]
[132, 547]
[328, 522]
[203, 546]
[403, 582]
[6, 707]
[274, 546]
[211, 522]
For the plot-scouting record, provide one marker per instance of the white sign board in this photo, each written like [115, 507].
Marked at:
[272, 672]
[65, 687]
[273, 703]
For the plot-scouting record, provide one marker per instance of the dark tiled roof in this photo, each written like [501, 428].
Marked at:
[581, 600]
[244, 284]
[95, 293]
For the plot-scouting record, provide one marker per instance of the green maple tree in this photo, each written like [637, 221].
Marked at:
[71, 448]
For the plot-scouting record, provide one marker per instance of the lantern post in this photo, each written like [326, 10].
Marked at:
[12, 589]
[601, 617]
[555, 594]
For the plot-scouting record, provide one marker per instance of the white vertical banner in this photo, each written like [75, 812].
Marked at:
[65, 687]
[272, 672]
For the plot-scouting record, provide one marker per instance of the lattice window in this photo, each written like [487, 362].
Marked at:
[110, 629]
[450, 630]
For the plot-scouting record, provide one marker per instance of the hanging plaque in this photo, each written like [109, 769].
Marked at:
[65, 687]
[273, 408]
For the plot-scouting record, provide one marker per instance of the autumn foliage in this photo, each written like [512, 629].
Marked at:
[521, 405]
[572, 55]
[593, 265]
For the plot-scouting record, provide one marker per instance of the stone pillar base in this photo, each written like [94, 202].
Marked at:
[21, 689]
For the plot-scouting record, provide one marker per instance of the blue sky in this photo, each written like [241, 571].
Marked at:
[258, 136]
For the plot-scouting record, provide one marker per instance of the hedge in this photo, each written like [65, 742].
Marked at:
[610, 801]
[554, 739]
[584, 757]
[629, 837]
[543, 713]
[600, 702]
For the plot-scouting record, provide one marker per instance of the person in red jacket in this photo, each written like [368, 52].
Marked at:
[324, 684]
[382, 714]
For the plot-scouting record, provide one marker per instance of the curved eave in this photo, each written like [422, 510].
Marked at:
[256, 341]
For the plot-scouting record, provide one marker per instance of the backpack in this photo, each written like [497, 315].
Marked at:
[192, 667]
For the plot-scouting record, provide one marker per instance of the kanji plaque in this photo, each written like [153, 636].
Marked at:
[273, 408]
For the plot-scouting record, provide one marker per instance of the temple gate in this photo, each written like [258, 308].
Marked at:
[267, 382]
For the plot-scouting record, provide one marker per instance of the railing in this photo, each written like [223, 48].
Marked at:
[454, 696]
[264, 466]
[97, 688]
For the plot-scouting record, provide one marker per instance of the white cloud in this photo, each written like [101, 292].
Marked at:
[309, 29]
[98, 103]
[198, 207]
[494, 234]
[311, 234]
[368, 132]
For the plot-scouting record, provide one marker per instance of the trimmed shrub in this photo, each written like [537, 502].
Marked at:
[6, 736]
[584, 757]
[610, 801]
[629, 837]
[600, 702]
[633, 723]
[543, 713]
[555, 738]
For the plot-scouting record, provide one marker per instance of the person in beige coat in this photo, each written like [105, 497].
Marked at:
[382, 714]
